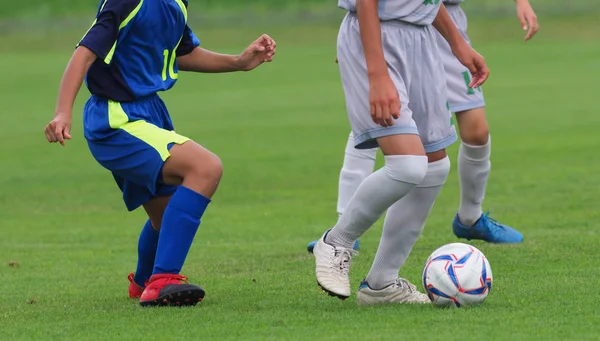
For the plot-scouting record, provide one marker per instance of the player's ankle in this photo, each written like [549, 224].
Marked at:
[469, 219]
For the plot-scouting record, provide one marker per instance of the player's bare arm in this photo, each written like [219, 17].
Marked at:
[527, 17]
[463, 52]
[383, 95]
[260, 51]
[59, 128]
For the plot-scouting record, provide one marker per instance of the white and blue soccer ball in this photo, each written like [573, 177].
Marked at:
[457, 275]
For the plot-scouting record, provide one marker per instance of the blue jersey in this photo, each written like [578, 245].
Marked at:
[137, 42]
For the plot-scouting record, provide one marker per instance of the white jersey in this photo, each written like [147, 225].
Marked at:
[418, 12]
[453, 1]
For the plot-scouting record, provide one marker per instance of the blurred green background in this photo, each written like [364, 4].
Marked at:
[205, 10]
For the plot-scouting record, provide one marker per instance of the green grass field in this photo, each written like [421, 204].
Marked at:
[67, 242]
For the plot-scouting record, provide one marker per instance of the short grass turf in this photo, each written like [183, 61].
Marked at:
[67, 242]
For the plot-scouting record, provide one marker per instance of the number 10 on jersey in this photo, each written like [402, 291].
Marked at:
[170, 64]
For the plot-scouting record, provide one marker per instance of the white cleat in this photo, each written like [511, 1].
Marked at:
[333, 268]
[402, 291]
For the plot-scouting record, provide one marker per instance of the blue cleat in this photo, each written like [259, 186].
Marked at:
[311, 246]
[487, 229]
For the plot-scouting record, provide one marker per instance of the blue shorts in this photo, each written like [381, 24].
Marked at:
[132, 140]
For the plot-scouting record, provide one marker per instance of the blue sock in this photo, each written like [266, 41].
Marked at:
[179, 225]
[146, 252]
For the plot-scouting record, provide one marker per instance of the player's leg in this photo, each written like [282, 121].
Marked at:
[473, 163]
[405, 161]
[197, 172]
[358, 164]
[473, 170]
[474, 153]
[404, 222]
[147, 244]
[134, 144]
[406, 219]
[404, 168]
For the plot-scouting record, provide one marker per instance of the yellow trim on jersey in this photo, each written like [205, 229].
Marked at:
[155, 137]
[130, 17]
[183, 9]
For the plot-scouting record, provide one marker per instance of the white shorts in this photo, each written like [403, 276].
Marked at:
[458, 77]
[414, 64]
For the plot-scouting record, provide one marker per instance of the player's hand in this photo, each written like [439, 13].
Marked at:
[384, 101]
[260, 51]
[528, 19]
[474, 62]
[59, 129]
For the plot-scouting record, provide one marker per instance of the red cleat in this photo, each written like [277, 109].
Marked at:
[170, 290]
[135, 291]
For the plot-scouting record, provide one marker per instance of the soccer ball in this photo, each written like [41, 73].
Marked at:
[457, 275]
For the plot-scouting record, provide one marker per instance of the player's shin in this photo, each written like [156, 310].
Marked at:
[403, 225]
[375, 194]
[179, 226]
[147, 244]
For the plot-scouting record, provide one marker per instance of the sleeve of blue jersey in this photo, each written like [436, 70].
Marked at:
[188, 43]
[103, 34]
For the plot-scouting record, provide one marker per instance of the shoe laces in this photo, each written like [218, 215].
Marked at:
[343, 258]
[404, 284]
[181, 278]
[494, 224]
[171, 277]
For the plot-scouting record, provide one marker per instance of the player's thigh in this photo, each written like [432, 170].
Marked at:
[135, 154]
[355, 81]
[473, 126]
[401, 144]
[428, 97]
[136, 151]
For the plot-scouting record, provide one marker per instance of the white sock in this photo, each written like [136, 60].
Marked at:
[473, 170]
[358, 164]
[376, 194]
[403, 225]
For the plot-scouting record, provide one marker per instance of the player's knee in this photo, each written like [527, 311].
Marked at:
[206, 167]
[192, 162]
[477, 135]
[406, 168]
